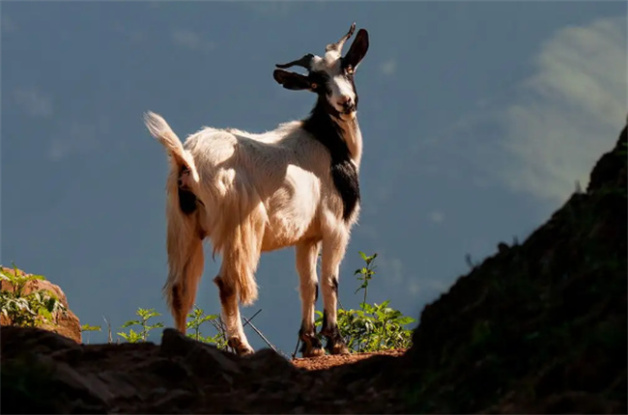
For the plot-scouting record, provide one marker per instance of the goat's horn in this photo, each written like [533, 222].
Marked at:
[338, 45]
[304, 62]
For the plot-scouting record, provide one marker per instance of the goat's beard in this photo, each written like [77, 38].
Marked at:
[348, 116]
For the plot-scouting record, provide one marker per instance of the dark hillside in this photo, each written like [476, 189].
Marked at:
[541, 326]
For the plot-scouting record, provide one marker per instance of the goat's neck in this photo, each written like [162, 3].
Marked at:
[342, 137]
[353, 137]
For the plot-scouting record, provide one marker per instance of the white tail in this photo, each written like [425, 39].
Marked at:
[159, 128]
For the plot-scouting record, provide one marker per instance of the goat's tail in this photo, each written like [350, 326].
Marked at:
[180, 158]
[185, 234]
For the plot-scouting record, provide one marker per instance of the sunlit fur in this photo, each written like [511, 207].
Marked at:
[255, 193]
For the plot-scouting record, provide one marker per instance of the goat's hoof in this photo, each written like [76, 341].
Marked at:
[241, 348]
[339, 348]
[313, 352]
[312, 346]
[245, 351]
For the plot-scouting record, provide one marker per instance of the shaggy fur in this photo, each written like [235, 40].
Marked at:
[250, 193]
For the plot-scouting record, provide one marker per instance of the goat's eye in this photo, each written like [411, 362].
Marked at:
[349, 69]
[314, 85]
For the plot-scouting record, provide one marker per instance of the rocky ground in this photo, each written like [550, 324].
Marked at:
[43, 372]
[329, 361]
[539, 327]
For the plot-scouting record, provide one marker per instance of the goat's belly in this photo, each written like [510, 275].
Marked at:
[288, 229]
[279, 234]
[292, 209]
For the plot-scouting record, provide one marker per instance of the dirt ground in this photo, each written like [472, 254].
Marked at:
[329, 361]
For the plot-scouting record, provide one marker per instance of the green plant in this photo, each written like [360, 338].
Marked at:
[365, 274]
[374, 326]
[27, 310]
[198, 317]
[88, 328]
[144, 314]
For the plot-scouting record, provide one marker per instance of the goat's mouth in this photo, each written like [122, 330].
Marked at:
[348, 113]
[346, 109]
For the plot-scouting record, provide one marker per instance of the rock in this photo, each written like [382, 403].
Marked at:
[269, 361]
[15, 340]
[65, 323]
[202, 358]
[611, 168]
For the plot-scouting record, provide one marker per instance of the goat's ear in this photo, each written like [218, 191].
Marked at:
[357, 51]
[292, 80]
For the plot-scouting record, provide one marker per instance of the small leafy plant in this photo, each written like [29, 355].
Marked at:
[27, 310]
[198, 318]
[375, 326]
[88, 328]
[365, 274]
[144, 314]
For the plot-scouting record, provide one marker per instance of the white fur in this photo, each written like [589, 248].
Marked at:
[261, 192]
[258, 192]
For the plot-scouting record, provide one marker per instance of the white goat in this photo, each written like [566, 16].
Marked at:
[250, 193]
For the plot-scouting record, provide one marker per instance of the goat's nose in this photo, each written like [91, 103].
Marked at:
[345, 100]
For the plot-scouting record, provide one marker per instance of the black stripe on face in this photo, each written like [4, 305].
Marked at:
[321, 79]
[350, 78]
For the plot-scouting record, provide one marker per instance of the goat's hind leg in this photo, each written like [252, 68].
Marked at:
[307, 254]
[184, 293]
[185, 260]
[183, 283]
[236, 339]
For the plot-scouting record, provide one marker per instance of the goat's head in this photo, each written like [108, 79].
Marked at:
[331, 76]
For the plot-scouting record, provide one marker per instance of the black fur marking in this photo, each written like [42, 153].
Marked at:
[176, 298]
[351, 79]
[187, 201]
[308, 339]
[327, 329]
[334, 284]
[224, 292]
[332, 333]
[321, 125]
[315, 344]
[316, 292]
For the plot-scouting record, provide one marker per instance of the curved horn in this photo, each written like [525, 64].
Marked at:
[338, 45]
[304, 62]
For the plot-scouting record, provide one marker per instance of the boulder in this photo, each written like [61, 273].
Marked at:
[65, 323]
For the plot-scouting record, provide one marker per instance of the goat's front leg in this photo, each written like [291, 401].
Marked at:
[307, 254]
[334, 246]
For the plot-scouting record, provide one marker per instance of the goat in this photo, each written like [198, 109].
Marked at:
[296, 185]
